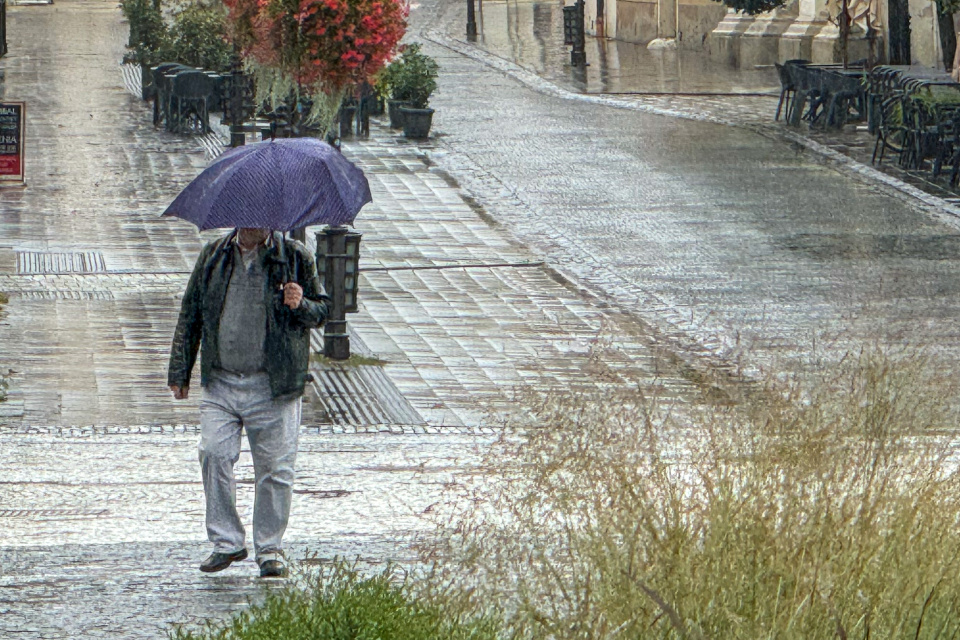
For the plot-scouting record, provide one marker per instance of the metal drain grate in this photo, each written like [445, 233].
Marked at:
[52, 513]
[65, 295]
[359, 395]
[39, 262]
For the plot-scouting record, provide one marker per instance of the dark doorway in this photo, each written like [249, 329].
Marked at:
[899, 31]
[3, 27]
[948, 37]
[600, 12]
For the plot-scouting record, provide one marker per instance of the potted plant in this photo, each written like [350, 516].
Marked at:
[387, 86]
[416, 83]
[199, 37]
[348, 112]
[315, 50]
[149, 41]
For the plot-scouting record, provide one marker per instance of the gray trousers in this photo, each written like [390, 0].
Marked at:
[232, 403]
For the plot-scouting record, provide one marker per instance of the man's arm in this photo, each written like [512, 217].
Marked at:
[186, 339]
[314, 305]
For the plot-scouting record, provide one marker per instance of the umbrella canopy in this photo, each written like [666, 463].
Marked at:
[278, 184]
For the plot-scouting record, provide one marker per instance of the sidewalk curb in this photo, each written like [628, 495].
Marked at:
[939, 209]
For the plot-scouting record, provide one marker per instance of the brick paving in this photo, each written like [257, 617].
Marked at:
[101, 511]
[663, 247]
[725, 240]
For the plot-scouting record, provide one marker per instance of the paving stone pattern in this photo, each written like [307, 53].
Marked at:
[728, 242]
[102, 505]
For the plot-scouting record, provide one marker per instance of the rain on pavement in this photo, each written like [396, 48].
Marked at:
[678, 241]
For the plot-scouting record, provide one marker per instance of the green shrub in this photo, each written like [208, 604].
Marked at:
[149, 42]
[799, 514]
[199, 37]
[413, 78]
[341, 604]
[387, 79]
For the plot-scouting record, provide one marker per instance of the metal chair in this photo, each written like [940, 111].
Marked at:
[191, 92]
[161, 82]
[891, 133]
[787, 89]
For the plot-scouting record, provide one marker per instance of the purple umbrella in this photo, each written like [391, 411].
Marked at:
[278, 184]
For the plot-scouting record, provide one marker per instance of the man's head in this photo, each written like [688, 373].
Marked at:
[249, 237]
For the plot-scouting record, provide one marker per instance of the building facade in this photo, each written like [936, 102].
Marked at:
[804, 29]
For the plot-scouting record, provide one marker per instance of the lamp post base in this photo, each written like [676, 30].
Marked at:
[471, 19]
[336, 346]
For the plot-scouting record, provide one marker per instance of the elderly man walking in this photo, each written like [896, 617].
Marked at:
[249, 307]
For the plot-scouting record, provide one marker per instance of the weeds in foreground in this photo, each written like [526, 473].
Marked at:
[824, 514]
[340, 603]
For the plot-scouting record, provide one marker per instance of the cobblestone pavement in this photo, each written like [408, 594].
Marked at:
[101, 508]
[729, 242]
[531, 34]
[684, 83]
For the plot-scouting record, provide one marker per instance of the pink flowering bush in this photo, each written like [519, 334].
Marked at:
[324, 45]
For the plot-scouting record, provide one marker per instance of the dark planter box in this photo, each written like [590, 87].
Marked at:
[393, 109]
[148, 91]
[416, 122]
[347, 115]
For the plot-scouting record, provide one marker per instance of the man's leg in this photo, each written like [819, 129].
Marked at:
[220, 429]
[272, 429]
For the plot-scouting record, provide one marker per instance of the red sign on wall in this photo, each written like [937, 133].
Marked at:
[12, 116]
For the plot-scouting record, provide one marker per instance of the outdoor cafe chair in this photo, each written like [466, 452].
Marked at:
[161, 83]
[805, 87]
[923, 131]
[948, 142]
[787, 89]
[842, 92]
[881, 83]
[891, 132]
[190, 93]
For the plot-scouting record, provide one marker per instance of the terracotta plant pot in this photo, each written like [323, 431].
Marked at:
[416, 122]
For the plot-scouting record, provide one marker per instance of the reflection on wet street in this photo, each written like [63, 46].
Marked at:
[531, 34]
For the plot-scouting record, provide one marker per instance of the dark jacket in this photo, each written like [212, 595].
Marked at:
[287, 343]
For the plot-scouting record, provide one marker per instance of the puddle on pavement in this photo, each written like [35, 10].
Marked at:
[854, 246]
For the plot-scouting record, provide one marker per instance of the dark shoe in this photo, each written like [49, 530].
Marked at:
[220, 561]
[273, 569]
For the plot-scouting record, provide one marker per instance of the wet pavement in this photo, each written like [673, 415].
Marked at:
[729, 241]
[101, 508]
[538, 243]
[531, 34]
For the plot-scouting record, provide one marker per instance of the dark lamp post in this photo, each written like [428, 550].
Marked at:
[338, 265]
[471, 19]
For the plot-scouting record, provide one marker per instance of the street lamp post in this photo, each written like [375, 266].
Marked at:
[338, 259]
[471, 19]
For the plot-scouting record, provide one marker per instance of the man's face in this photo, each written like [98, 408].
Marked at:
[249, 237]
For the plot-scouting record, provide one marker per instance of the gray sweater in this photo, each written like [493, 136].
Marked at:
[243, 322]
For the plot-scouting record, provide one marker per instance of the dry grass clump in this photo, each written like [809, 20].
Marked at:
[831, 513]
